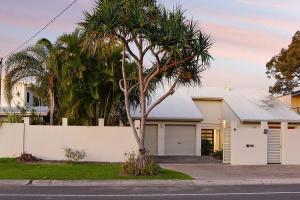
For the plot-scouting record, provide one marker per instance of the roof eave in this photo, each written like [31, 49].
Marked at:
[268, 120]
[171, 119]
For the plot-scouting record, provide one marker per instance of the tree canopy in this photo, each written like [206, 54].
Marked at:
[285, 67]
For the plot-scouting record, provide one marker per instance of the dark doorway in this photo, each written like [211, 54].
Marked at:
[207, 141]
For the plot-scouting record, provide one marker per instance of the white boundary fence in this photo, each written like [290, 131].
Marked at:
[101, 143]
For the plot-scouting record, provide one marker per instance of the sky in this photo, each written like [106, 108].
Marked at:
[245, 33]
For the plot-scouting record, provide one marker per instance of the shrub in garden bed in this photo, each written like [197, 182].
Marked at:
[27, 157]
[137, 166]
[218, 155]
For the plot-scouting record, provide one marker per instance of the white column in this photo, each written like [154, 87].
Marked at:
[283, 132]
[161, 140]
[233, 130]
[100, 122]
[26, 121]
[65, 121]
[198, 139]
[264, 125]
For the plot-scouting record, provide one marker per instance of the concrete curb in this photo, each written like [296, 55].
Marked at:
[15, 182]
[114, 183]
[147, 183]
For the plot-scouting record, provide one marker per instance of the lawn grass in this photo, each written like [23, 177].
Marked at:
[11, 169]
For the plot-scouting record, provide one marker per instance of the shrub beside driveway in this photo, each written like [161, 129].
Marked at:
[11, 169]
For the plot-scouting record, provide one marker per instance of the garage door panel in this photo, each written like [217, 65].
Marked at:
[180, 140]
[151, 137]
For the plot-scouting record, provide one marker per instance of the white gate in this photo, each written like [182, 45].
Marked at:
[274, 146]
[226, 145]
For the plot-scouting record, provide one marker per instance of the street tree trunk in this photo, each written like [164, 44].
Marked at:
[143, 84]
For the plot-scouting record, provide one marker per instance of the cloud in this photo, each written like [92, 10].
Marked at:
[221, 78]
[252, 19]
[272, 4]
[241, 44]
[19, 16]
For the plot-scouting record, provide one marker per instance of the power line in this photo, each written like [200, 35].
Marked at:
[38, 32]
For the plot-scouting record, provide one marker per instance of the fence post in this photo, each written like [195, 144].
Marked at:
[264, 125]
[65, 121]
[100, 122]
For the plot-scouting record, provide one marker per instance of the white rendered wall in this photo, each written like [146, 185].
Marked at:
[248, 146]
[103, 144]
[211, 110]
[11, 140]
[290, 146]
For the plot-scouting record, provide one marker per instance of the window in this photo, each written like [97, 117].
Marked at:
[28, 97]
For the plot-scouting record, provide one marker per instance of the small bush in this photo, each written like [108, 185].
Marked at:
[26, 157]
[14, 118]
[218, 154]
[137, 166]
[73, 155]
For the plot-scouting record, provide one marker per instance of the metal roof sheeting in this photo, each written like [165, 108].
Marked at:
[178, 107]
[252, 105]
[249, 105]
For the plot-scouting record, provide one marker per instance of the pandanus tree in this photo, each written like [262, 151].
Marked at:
[37, 64]
[147, 31]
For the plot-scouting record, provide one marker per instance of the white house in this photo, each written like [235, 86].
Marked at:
[22, 97]
[248, 125]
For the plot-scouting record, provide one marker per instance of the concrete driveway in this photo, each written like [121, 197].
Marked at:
[187, 159]
[230, 172]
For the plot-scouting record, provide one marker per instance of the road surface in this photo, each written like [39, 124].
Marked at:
[254, 192]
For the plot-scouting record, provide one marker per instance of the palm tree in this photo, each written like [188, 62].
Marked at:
[37, 64]
[90, 75]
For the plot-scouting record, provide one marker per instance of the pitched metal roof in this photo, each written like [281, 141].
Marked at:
[252, 105]
[178, 107]
[249, 105]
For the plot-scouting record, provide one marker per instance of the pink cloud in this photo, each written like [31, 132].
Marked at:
[272, 4]
[238, 43]
[221, 78]
[251, 19]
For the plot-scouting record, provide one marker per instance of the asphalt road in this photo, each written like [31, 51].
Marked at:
[265, 192]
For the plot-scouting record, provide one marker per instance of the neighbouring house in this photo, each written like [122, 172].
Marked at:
[249, 126]
[22, 97]
[292, 100]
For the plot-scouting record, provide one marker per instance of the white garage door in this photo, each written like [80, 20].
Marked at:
[151, 139]
[180, 140]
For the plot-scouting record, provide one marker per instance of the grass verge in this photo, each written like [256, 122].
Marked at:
[11, 169]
